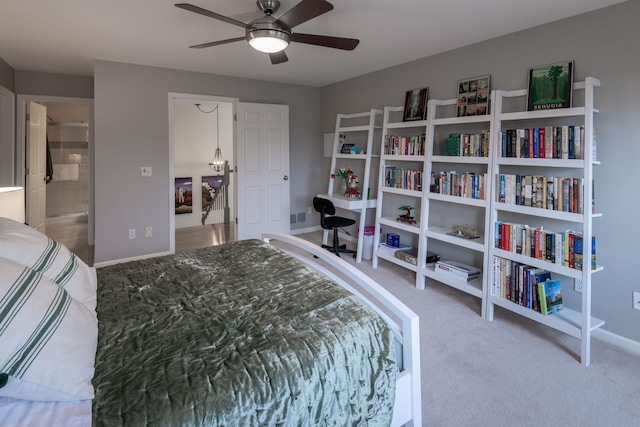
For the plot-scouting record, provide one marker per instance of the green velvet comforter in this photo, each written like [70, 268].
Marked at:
[237, 335]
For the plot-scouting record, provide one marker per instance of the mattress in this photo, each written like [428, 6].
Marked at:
[238, 334]
[26, 413]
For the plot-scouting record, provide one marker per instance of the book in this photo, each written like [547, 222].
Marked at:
[411, 256]
[457, 269]
[550, 296]
[391, 250]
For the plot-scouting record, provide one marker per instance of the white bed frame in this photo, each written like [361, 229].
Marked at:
[408, 404]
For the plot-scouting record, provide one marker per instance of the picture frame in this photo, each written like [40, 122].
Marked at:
[415, 104]
[473, 96]
[346, 148]
[183, 190]
[550, 86]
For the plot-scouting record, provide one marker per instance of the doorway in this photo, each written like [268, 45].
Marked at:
[204, 202]
[68, 192]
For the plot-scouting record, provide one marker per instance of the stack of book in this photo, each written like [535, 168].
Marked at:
[457, 270]
[391, 250]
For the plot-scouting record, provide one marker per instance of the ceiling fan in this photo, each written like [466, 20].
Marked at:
[270, 35]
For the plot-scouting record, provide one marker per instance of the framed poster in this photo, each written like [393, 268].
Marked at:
[415, 104]
[183, 195]
[473, 97]
[550, 86]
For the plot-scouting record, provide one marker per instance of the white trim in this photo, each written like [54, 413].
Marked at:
[173, 97]
[306, 230]
[135, 258]
[617, 340]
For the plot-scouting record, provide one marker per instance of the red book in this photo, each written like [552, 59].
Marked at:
[541, 143]
[531, 137]
[572, 250]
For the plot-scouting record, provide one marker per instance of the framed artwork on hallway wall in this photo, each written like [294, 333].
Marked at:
[183, 195]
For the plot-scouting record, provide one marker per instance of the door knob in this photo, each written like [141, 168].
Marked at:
[286, 178]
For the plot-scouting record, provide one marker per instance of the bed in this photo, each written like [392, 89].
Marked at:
[242, 334]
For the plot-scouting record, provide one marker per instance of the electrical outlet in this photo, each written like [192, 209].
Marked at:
[148, 231]
[636, 300]
[132, 233]
[146, 171]
[309, 210]
[577, 285]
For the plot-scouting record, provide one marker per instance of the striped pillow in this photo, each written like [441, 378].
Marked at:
[27, 246]
[48, 338]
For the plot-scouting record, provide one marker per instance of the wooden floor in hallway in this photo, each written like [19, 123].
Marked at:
[73, 232]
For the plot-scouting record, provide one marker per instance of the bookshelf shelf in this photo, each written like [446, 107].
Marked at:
[567, 320]
[442, 235]
[393, 190]
[459, 200]
[392, 258]
[473, 287]
[552, 240]
[460, 160]
[392, 222]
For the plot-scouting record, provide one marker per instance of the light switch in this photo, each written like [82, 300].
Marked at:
[145, 171]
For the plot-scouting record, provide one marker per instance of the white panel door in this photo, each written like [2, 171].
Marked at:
[263, 169]
[36, 154]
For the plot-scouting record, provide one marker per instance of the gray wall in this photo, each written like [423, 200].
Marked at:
[603, 45]
[131, 130]
[7, 107]
[7, 75]
[50, 84]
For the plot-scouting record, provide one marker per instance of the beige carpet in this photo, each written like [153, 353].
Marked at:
[511, 371]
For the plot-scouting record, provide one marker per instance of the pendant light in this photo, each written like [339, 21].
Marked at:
[217, 164]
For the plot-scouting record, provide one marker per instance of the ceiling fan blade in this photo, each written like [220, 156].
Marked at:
[304, 11]
[278, 57]
[219, 42]
[326, 41]
[201, 11]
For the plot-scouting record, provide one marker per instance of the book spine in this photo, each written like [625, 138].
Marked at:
[542, 298]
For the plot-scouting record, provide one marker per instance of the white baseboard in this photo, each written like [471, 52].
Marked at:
[305, 230]
[136, 258]
[617, 340]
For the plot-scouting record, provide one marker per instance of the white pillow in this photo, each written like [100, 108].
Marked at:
[48, 338]
[27, 246]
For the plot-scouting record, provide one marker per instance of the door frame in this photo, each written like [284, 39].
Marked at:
[20, 153]
[177, 96]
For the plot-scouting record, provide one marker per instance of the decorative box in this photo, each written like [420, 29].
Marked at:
[452, 145]
[393, 240]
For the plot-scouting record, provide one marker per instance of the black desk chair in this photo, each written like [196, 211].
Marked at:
[329, 221]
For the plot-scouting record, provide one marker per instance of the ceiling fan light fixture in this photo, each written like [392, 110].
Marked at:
[268, 40]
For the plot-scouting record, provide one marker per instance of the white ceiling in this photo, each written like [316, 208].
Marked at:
[66, 36]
